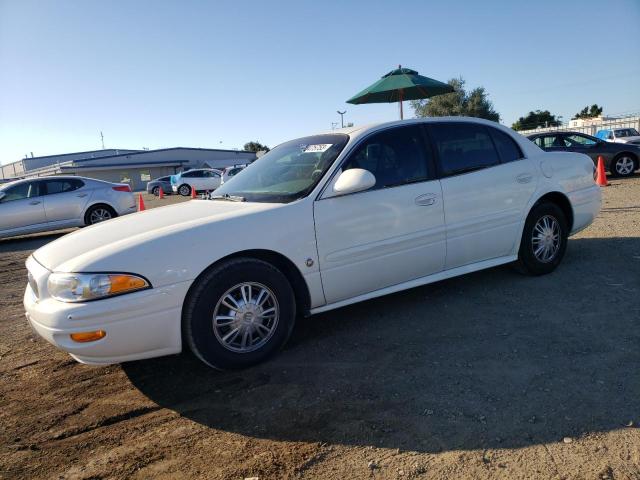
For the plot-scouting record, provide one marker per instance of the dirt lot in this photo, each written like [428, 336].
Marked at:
[492, 375]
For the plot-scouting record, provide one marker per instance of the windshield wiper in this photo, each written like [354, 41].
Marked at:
[227, 197]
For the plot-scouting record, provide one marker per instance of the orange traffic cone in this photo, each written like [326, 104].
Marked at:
[194, 194]
[601, 177]
[140, 203]
[160, 193]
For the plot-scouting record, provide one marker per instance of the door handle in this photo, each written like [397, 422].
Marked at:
[426, 199]
[81, 195]
[524, 178]
[35, 202]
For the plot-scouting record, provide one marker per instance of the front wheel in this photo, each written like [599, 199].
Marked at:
[238, 314]
[544, 240]
[623, 166]
[184, 190]
[155, 191]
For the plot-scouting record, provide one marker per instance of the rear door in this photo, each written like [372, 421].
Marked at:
[22, 207]
[65, 200]
[389, 234]
[486, 186]
[551, 142]
[576, 142]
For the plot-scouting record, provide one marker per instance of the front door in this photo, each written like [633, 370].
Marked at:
[389, 234]
[21, 208]
[576, 142]
[486, 186]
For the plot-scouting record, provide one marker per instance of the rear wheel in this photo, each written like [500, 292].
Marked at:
[544, 240]
[623, 165]
[239, 313]
[184, 190]
[99, 213]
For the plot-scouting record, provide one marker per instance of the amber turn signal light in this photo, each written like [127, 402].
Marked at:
[83, 337]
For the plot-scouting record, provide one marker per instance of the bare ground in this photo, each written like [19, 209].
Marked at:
[491, 375]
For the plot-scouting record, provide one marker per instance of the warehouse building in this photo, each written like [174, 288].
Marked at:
[135, 167]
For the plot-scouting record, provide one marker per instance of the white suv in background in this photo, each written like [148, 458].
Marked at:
[200, 179]
[229, 172]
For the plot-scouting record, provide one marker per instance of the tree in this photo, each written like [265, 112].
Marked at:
[458, 103]
[589, 112]
[536, 119]
[255, 147]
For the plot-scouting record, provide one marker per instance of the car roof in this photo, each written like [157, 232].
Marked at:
[356, 132]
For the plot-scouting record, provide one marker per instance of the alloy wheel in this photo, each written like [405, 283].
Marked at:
[99, 215]
[624, 166]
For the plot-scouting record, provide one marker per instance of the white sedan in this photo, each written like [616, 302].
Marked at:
[317, 223]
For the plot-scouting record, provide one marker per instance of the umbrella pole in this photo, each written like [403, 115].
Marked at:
[400, 99]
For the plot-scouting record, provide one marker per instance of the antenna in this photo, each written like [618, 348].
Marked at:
[341, 117]
[102, 138]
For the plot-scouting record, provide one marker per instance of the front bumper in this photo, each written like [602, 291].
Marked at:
[139, 325]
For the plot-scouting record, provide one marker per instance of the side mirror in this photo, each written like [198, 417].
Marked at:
[354, 180]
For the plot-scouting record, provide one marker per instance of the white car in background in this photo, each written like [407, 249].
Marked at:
[52, 203]
[317, 223]
[230, 172]
[199, 179]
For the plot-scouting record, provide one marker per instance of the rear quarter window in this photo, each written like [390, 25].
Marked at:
[508, 149]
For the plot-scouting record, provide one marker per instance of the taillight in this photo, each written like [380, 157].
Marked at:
[122, 188]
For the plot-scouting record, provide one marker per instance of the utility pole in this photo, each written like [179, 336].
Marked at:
[334, 125]
[341, 117]
[102, 138]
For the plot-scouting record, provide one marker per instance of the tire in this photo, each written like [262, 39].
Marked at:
[184, 190]
[543, 219]
[155, 191]
[623, 165]
[270, 295]
[99, 213]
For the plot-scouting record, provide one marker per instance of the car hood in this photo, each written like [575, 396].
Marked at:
[83, 248]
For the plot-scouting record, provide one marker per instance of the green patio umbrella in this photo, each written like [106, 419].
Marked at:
[399, 85]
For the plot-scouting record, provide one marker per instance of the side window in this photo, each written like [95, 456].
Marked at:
[508, 149]
[395, 157]
[190, 174]
[463, 147]
[62, 186]
[21, 191]
[549, 141]
[576, 140]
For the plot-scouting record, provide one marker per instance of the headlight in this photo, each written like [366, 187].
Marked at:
[80, 287]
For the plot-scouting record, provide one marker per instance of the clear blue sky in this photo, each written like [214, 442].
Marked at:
[197, 73]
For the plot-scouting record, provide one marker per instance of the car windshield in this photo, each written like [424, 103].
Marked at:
[288, 172]
[627, 132]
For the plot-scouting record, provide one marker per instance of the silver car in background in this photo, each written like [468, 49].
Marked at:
[51, 203]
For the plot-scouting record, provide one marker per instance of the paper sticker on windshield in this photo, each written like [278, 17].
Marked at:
[317, 148]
